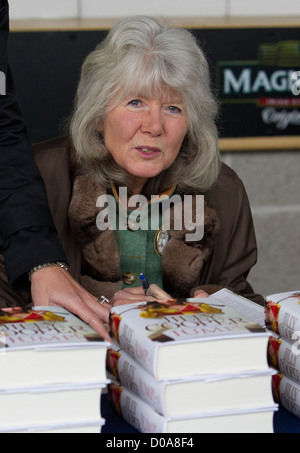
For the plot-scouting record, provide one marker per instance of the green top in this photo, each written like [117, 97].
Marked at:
[137, 246]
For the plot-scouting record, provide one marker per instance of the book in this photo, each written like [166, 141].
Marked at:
[245, 306]
[146, 420]
[287, 393]
[282, 314]
[88, 427]
[284, 357]
[50, 405]
[52, 372]
[180, 397]
[282, 317]
[47, 345]
[179, 339]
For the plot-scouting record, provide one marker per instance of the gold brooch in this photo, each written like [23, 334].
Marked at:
[160, 241]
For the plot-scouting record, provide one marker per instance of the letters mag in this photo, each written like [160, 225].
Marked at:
[271, 83]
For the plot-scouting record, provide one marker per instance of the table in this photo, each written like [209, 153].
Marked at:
[284, 421]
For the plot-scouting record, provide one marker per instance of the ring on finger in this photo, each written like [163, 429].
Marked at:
[103, 300]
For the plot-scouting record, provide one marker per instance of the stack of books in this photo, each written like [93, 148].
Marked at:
[52, 372]
[194, 366]
[283, 319]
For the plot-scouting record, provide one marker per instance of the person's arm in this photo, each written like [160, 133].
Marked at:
[27, 233]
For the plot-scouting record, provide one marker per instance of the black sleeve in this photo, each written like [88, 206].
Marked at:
[27, 233]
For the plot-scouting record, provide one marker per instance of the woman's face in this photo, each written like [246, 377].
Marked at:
[144, 135]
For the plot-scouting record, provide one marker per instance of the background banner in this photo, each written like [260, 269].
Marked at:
[255, 73]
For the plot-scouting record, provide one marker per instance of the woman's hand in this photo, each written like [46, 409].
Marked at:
[135, 295]
[200, 293]
[55, 286]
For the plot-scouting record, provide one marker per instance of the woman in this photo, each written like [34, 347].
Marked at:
[143, 129]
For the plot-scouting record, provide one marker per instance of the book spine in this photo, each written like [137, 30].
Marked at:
[135, 411]
[135, 378]
[284, 357]
[282, 315]
[133, 341]
[287, 393]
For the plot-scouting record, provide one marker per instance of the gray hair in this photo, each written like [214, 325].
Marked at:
[144, 53]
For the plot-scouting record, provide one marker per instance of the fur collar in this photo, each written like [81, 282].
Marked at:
[181, 260]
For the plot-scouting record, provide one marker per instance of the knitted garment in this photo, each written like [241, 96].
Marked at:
[138, 244]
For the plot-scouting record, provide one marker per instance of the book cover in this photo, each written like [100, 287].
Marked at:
[282, 314]
[147, 420]
[187, 396]
[245, 306]
[181, 338]
[44, 327]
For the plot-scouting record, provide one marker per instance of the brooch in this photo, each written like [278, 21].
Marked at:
[160, 241]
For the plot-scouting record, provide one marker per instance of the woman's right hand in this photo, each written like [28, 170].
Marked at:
[136, 295]
[55, 286]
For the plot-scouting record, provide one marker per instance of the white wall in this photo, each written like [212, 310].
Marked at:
[45, 9]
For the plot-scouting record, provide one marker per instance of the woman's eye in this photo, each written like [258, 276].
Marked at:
[135, 102]
[174, 110]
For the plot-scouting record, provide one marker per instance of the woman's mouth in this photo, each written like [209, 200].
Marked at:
[148, 152]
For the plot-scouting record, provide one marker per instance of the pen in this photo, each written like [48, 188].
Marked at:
[145, 285]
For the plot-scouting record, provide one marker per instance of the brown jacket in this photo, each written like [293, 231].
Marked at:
[219, 260]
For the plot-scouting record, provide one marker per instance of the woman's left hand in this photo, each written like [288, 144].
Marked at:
[136, 295]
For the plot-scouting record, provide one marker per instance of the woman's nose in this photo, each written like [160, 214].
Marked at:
[153, 121]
